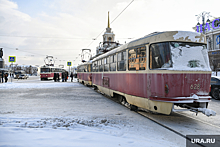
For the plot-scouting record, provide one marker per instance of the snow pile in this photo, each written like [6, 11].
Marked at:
[193, 36]
[63, 123]
[72, 132]
[207, 112]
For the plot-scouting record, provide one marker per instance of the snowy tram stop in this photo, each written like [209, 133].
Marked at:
[69, 114]
[152, 91]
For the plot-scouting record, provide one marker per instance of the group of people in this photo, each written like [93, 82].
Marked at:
[64, 76]
[4, 77]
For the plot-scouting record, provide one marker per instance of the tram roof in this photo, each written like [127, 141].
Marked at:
[50, 67]
[181, 36]
[85, 63]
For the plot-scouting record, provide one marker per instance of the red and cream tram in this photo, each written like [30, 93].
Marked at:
[161, 72]
[47, 72]
[84, 74]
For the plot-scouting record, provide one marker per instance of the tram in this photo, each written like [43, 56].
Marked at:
[84, 73]
[47, 72]
[162, 72]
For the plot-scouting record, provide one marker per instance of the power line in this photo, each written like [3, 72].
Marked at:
[35, 53]
[41, 37]
[112, 22]
[22, 50]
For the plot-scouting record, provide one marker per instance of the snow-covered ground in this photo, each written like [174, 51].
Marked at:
[36, 113]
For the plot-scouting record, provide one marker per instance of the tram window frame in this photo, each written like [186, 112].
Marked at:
[137, 60]
[112, 63]
[156, 61]
[101, 65]
[84, 68]
[121, 61]
[89, 67]
[106, 65]
[93, 67]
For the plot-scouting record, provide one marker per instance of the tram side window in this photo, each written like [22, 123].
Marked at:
[141, 55]
[85, 68]
[81, 69]
[112, 63]
[45, 70]
[100, 65]
[160, 55]
[97, 67]
[122, 61]
[94, 66]
[106, 62]
[131, 59]
[137, 58]
[89, 67]
[78, 69]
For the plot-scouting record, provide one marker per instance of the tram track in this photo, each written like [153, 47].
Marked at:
[146, 114]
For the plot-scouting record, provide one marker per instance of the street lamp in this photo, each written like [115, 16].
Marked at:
[202, 28]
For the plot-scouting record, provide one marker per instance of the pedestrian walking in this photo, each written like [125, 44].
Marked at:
[63, 76]
[2, 76]
[55, 77]
[71, 75]
[6, 77]
[58, 77]
[66, 76]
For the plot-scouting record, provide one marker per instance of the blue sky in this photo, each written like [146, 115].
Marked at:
[30, 7]
[62, 28]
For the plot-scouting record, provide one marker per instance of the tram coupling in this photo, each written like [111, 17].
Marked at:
[205, 111]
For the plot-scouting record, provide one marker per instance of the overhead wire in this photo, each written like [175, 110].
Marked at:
[47, 37]
[22, 50]
[111, 22]
[62, 37]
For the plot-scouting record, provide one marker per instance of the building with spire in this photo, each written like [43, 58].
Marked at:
[108, 41]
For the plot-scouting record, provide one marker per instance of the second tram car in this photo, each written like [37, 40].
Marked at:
[47, 72]
[84, 73]
[161, 72]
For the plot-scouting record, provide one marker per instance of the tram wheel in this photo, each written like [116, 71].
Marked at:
[215, 93]
[133, 108]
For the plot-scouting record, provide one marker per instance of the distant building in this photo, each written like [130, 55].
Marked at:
[108, 41]
[212, 31]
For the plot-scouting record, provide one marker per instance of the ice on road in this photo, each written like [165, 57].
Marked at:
[69, 114]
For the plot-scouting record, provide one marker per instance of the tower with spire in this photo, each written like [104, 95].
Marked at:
[108, 41]
[108, 36]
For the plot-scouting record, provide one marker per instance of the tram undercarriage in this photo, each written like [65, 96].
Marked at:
[195, 107]
[158, 106]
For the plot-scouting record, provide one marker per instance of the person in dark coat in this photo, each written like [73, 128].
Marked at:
[6, 78]
[58, 77]
[63, 76]
[66, 76]
[55, 77]
[71, 75]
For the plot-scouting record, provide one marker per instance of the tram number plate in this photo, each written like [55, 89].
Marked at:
[105, 81]
[195, 86]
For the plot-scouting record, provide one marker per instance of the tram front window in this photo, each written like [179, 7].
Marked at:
[44, 70]
[179, 56]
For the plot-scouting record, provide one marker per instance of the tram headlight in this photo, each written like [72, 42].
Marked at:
[166, 88]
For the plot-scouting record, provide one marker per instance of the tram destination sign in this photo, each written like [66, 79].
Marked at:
[69, 63]
[11, 59]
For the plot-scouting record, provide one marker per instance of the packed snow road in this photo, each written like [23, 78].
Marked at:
[45, 113]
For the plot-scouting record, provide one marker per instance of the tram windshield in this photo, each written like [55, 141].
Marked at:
[44, 70]
[179, 56]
